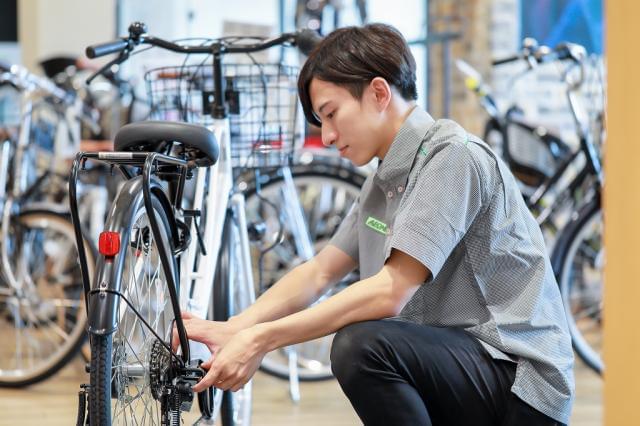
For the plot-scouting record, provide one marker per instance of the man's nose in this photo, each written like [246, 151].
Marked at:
[329, 136]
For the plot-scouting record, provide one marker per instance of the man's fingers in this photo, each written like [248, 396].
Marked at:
[207, 381]
[187, 315]
[236, 382]
[175, 339]
[207, 364]
[193, 332]
[238, 386]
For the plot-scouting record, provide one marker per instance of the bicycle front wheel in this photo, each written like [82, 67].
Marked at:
[231, 295]
[42, 315]
[130, 365]
[326, 193]
[578, 264]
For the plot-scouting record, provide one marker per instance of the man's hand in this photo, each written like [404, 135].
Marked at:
[235, 354]
[234, 364]
[214, 334]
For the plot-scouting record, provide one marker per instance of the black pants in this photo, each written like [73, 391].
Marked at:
[399, 373]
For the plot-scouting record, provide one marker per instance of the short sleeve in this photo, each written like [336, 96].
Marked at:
[438, 211]
[346, 237]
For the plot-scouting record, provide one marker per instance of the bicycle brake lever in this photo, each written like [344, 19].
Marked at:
[117, 61]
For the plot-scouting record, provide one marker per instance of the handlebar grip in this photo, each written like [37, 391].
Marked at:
[307, 40]
[506, 60]
[108, 48]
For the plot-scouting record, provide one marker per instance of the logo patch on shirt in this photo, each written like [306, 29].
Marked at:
[377, 225]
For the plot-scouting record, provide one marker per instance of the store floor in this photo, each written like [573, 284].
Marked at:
[54, 402]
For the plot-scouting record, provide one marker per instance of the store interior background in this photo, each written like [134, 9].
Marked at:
[440, 31]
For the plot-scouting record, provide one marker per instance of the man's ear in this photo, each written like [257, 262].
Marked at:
[380, 92]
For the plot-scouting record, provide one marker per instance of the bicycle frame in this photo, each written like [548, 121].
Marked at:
[592, 165]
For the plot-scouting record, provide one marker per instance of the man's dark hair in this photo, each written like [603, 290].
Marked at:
[353, 56]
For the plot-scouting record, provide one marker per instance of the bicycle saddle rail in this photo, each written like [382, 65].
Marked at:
[147, 134]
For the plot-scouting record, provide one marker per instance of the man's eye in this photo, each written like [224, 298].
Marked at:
[330, 115]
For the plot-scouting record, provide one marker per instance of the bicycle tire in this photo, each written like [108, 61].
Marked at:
[112, 381]
[571, 245]
[276, 363]
[62, 353]
[235, 409]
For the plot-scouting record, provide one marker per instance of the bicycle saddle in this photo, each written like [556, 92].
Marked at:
[201, 145]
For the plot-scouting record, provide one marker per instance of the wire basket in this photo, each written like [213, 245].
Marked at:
[262, 101]
[530, 150]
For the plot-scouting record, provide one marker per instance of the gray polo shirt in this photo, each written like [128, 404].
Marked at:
[443, 197]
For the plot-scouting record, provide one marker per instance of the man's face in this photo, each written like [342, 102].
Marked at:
[350, 124]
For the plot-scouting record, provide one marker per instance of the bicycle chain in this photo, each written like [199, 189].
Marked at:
[159, 370]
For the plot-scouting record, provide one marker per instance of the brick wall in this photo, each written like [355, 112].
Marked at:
[473, 20]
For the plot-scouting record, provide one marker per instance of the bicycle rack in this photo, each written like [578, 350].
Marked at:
[149, 163]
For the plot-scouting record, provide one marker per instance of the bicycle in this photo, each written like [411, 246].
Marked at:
[566, 201]
[147, 251]
[41, 302]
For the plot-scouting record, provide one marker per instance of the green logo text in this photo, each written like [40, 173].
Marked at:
[377, 226]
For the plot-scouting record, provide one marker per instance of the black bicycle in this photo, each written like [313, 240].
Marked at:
[565, 197]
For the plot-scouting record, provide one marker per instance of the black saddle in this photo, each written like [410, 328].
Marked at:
[200, 143]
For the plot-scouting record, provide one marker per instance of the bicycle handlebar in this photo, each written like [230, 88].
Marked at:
[103, 49]
[506, 60]
[305, 40]
[543, 54]
[22, 79]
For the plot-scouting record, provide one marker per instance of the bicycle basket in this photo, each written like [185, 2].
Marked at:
[262, 101]
[529, 150]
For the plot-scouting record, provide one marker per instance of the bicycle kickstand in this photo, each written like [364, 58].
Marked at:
[83, 408]
[294, 381]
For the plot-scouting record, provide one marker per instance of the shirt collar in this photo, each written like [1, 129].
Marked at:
[398, 161]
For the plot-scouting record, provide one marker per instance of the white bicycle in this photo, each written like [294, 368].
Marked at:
[161, 250]
[42, 315]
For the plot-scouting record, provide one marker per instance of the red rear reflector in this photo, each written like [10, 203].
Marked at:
[109, 243]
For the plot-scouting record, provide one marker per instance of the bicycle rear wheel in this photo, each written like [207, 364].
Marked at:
[42, 322]
[127, 366]
[326, 192]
